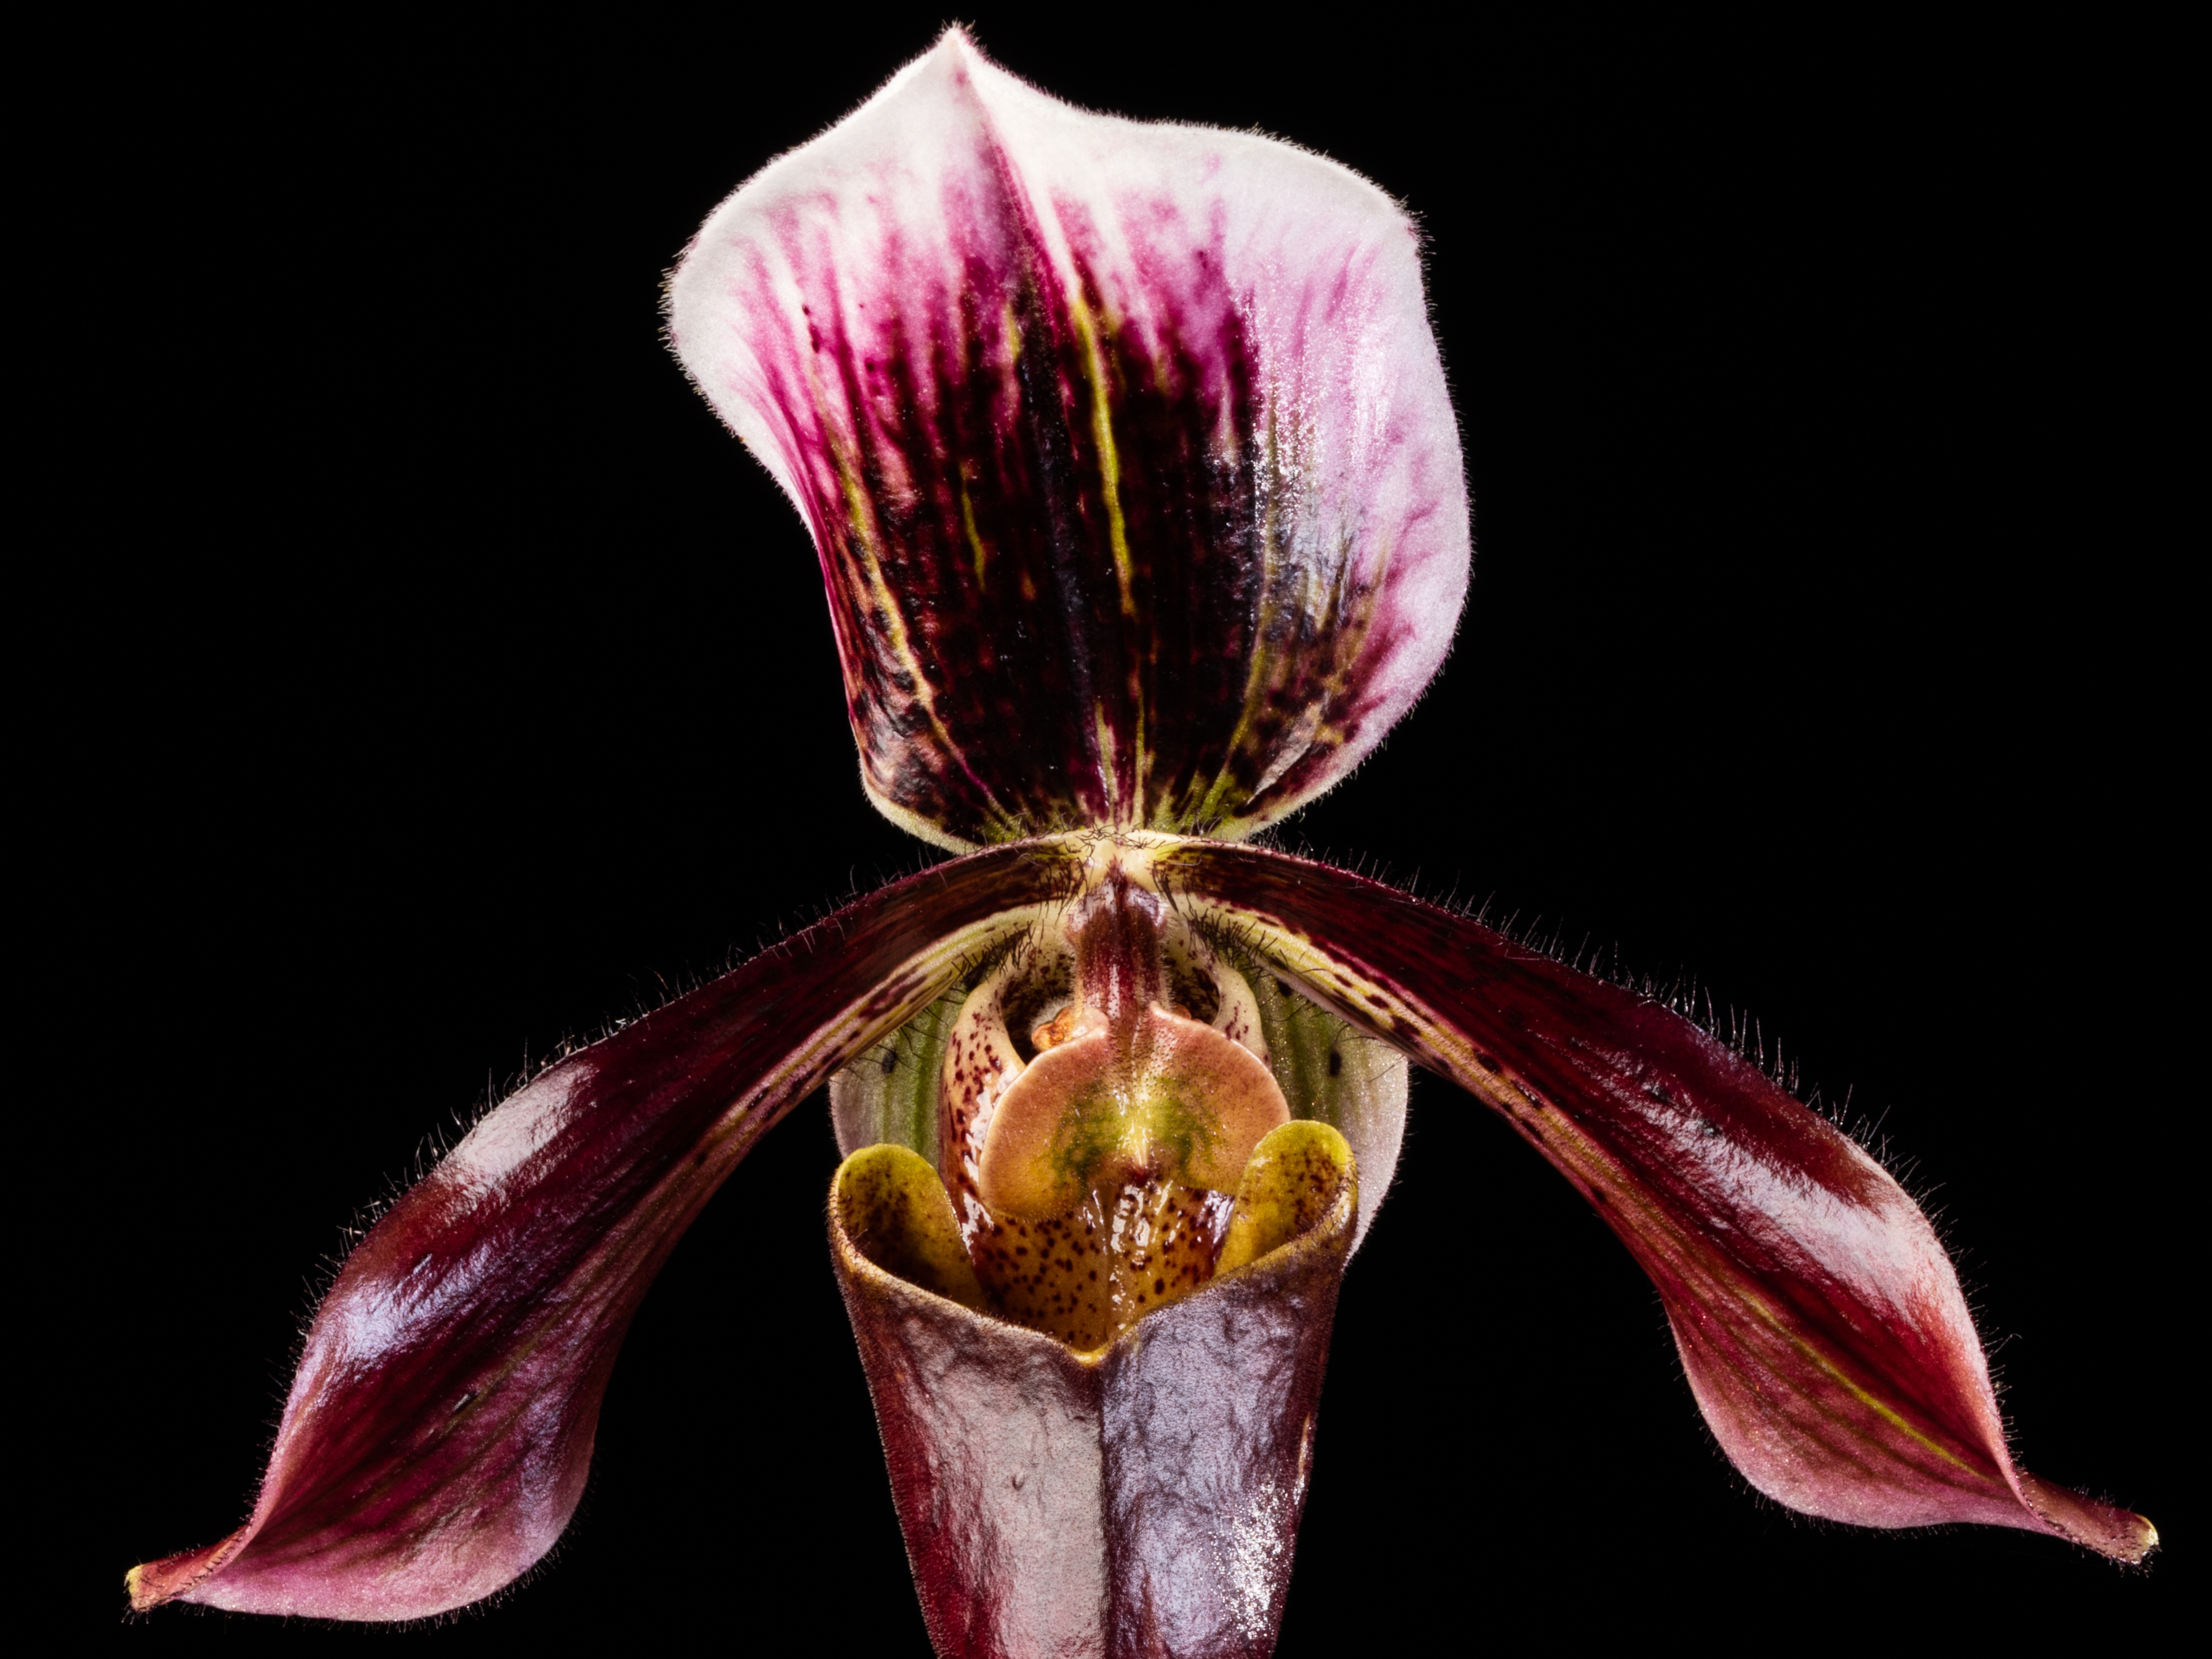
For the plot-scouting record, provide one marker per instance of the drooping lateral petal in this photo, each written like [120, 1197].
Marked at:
[1820, 1322]
[439, 1427]
[1125, 448]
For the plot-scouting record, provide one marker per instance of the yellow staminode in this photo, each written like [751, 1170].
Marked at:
[1299, 1174]
[1087, 1277]
[897, 1213]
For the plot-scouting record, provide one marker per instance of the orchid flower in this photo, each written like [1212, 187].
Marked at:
[1138, 494]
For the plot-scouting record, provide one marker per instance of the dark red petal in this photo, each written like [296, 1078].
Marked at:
[1819, 1319]
[1126, 449]
[440, 1426]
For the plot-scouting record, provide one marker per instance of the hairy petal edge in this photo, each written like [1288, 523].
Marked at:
[440, 1426]
[1125, 448]
[1820, 1322]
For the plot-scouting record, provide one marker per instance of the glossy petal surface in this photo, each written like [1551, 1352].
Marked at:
[1819, 1321]
[1140, 1500]
[439, 1427]
[1125, 448]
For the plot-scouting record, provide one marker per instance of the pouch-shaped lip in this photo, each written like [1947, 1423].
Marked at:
[1143, 1496]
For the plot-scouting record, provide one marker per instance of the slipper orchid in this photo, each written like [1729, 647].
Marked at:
[1138, 495]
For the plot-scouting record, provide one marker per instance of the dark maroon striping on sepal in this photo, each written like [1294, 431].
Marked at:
[988, 522]
[1820, 1323]
[1112, 534]
[440, 1426]
[998, 552]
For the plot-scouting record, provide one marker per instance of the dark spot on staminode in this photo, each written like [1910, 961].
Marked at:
[890, 1061]
[1335, 1062]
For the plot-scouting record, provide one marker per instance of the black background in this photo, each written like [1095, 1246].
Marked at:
[421, 677]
